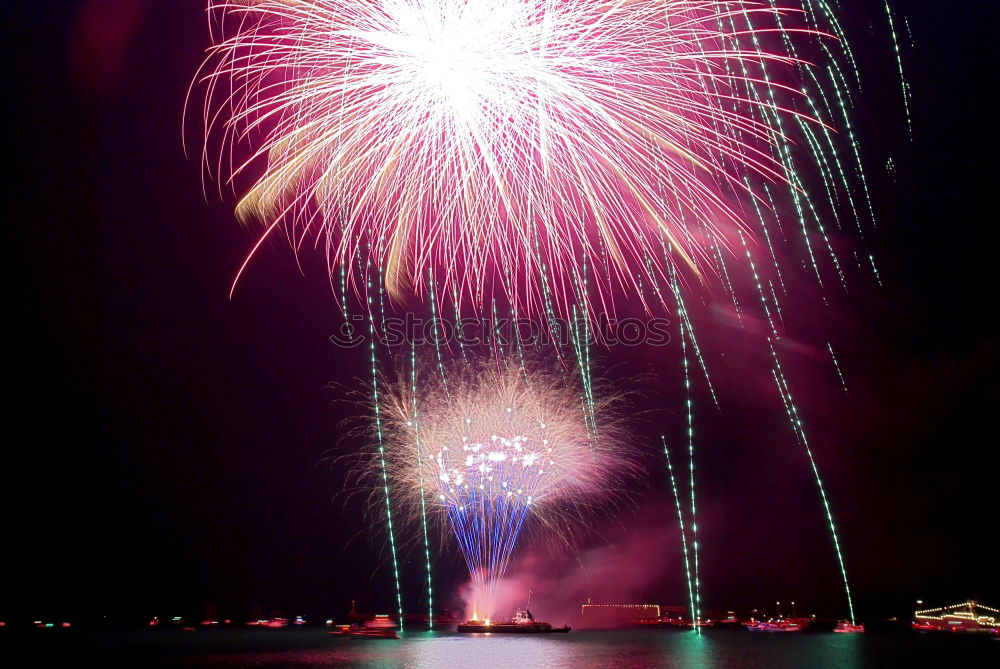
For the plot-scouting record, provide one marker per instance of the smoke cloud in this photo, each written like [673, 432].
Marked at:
[628, 566]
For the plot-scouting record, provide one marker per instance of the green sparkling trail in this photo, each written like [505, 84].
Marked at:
[878, 277]
[420, 473]
[687, 327]
[581, 349]
[786, 396]
[799, 430]
[381, 452]
[836, 365]
[899, 63]
[680, 521]
[694, 516]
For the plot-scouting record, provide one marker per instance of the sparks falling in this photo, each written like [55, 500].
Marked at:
[498, 449]
[534, 157]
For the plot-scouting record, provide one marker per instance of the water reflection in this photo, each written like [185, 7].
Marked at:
[638, 649]
[583, 650]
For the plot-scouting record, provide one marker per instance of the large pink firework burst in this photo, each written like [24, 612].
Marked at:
[549, 152]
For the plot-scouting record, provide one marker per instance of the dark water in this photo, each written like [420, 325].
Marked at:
[310, 648]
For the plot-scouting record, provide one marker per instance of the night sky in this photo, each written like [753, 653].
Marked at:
[168, 448]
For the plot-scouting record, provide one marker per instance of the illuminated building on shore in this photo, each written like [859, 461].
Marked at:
[617, 615]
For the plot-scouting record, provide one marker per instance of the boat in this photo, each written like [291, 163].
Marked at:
[777, 625]
[730, 620]
[381, 627]
[359, 630]
[847, 627]
[522, 623]
[968, 617]
[674, 621]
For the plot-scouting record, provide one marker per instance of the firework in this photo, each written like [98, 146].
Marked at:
[496, 450]
[549, 156]
[506, 146]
